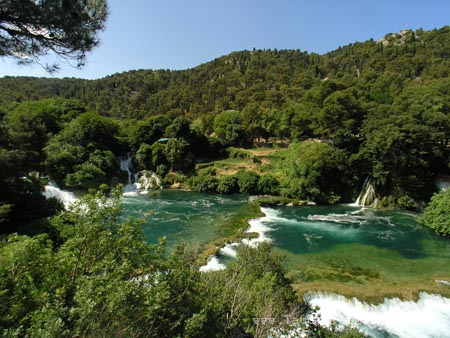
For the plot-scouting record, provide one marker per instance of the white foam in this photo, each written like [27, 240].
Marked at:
[441, 281]
[229, 250]
[338, 218]
[213, 264]
[258, 226]
[52, 190]
[428, 317]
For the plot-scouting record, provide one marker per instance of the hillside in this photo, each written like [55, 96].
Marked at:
[269, 79]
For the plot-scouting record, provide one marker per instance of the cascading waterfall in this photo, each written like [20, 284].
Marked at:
[428, 317]
[139, 182]
[52, 190]
[367, 197]
[126, 164]
[147, 181]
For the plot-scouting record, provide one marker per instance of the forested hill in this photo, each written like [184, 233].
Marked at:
[261, 79]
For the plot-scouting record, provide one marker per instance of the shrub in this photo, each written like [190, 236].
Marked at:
[248, 182]
[406, 202]
[228, 185]
[203, 183]
[436, 215]
[269, 185]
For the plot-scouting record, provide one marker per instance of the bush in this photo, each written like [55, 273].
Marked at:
[315, 171]
[436, 215]
[144, 156]
[269, 185]
[203, 183]
[161, 170]
[248, 182]
[228, 185]
[406, 202]
[174, 177]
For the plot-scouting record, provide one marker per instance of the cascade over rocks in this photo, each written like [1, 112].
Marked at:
[367, 197]
[141, 181]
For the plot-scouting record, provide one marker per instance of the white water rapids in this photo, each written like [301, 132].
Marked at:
[428, 317]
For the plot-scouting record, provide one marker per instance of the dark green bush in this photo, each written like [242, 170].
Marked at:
[248, 182]
[228, 185]
[269, 185]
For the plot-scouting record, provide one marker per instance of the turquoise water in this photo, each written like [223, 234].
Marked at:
[183, 216]
[192, 217]
[312, 229]
[329, 249]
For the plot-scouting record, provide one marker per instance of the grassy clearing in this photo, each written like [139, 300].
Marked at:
[259, 160]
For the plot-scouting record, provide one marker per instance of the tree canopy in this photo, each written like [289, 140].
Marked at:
[32, 29]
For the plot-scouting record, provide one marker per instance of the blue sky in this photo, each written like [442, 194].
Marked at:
[180, 34]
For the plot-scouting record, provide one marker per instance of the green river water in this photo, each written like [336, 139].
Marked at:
[342, 258]
[337, 248]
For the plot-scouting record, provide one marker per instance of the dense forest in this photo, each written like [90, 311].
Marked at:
[377, 109]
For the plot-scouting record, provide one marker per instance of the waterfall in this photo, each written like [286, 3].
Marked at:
[428, 317]
[126, 163]
[139, 182]
[256, 226]
[52, 190]
[367, 196]
[148, 180]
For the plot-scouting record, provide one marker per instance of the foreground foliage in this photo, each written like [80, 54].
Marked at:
[95, 276]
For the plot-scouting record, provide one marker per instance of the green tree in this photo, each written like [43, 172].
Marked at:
[98, 169]
[179, 128]
[228, 185]
[341, 117]
[228, 128]
[82, 154]
[175, 151]
[316, 171]
[436, 214]
[268, 184]
[27, 135]
[146, 131]
[32, 29]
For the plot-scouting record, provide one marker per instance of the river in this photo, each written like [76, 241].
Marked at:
[380, 271]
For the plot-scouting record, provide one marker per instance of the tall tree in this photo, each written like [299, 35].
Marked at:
[30, 29]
